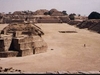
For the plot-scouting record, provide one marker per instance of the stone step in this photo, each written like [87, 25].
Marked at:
[8, 54]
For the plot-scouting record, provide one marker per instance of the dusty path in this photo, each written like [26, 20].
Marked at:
[66, 51]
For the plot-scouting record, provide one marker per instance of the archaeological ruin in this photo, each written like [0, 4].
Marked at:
[22, 37]
[21, 40]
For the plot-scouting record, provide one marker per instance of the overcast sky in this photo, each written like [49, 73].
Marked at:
[83, 7]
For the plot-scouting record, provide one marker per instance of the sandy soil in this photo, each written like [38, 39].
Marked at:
[66, 51]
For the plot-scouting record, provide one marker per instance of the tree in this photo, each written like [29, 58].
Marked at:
[47, 13]
[64, 12]
[71, 16]
[9, 13]
[79, 15]
[94, 15]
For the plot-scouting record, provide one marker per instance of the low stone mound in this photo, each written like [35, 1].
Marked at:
[55, 12]
[92, 24]
[40, 12]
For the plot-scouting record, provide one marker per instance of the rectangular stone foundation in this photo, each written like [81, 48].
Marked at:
[8, 54]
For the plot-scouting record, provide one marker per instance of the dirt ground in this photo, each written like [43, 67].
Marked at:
[66, 51]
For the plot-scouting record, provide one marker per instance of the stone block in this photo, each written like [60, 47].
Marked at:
[37, 38]
[5, 42]
[17, 33]
[27, 33]
[24, 46]
[8, 54]
[21, 40]
[38, 50]
[38, 44]
[25, 52]
[5, 32]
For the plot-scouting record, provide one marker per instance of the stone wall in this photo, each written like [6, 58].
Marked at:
[93, 25]
[35, 18]
[90, 24]
[74, 22]
[8, 54]
[5, 43]
[49, 21]
[55, 19]
[28, 45]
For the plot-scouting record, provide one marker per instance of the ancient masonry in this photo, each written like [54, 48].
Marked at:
[18, 44]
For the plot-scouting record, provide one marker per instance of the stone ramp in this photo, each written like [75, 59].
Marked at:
[92, 25]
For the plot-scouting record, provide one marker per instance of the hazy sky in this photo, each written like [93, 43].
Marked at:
[83, 7]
